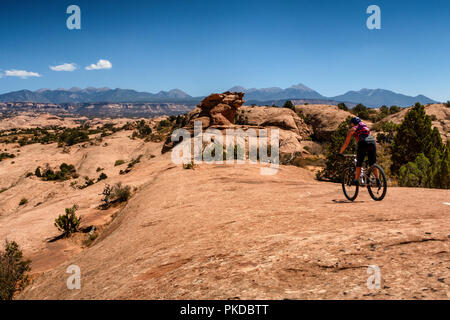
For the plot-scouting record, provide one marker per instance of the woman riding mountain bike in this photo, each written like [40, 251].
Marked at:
[366, 146]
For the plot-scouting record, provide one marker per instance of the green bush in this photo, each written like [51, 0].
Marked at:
[416, 174]
[87, 182]
[66, 172]
[5, 155]
[189, 165]
[163, 124]
[334, 165]
[142, 130]
[419, 157]
[361, 111]
[102, 176]
[394, 109]
[415, 135]
[71, 136]
[134, 161]
[68, 223]
[23, 201]
[13, 271]
[342, 106]
[289, 105]
[120, 193]
[118, 163]
[240, 119]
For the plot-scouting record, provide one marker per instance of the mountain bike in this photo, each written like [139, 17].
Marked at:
[367, 179]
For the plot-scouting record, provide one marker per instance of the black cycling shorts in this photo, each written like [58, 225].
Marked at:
[368, 148]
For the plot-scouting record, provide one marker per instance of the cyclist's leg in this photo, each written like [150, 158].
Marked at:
[360, 155]
[372, 156]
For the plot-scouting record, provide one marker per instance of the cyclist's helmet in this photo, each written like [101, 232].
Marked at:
[355, 120]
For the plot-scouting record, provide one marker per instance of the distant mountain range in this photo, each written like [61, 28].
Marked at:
[368, 97]
[93, 95]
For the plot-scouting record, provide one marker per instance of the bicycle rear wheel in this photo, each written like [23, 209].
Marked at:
[350, 190]
[377, 192]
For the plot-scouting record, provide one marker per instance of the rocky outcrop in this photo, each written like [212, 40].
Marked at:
[217, 109]
[282, 118]
[224, 111]
[323, 119]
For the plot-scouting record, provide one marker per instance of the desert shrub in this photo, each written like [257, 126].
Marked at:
[416, 174]
[334, 165]
[384, 110]
[120, 193]
[427, 173]
[118, 163]
[289, 105]
[447, 104]
[24, 141]
[68, 223]
[99, 169]
[342, 106]
[71, 136]
[180, 121]
[66, 172]
[13, 271]
[142, 130]
[389, 129]
[135, 161]
[394, 109]
[102, 176]
[240, 118]
[189, 165]
[29, 174]
[163, 124]
[388, 126]
[5, 155]
[87, 182]
[23, 201]
[155, 137]
[361, 111]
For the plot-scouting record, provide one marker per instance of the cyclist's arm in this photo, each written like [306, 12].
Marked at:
[347, 140]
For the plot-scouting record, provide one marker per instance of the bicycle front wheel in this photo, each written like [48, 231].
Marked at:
[377, 189]
[350, 190]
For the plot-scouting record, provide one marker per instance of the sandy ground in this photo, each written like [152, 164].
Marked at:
[221, 231]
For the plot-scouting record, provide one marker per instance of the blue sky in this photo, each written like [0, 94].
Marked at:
[209, 46]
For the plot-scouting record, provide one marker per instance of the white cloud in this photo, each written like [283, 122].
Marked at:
[101, 64]
[64, 67]
[21, 74]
